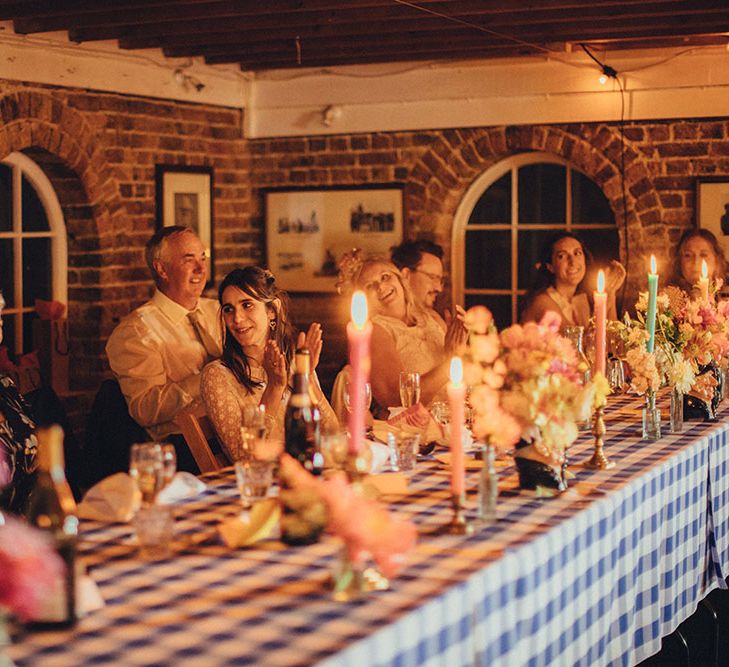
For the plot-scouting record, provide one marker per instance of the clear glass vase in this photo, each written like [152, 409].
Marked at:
[488, 487]
[651, 418]
[348, 580]
[575, 335]
[675, 424]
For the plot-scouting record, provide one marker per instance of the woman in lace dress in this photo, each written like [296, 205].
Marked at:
[255, 366]
[558, 286]
[404, 337]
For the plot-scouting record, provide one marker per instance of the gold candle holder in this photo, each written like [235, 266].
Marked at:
[599, 461]
[356, 468]
[458, 525]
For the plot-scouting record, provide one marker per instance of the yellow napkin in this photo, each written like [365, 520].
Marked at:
[253, 526]
[387, 484]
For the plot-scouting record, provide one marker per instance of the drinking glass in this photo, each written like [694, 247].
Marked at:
[154, 527]
[368, 397]
[253, 428]
[169, 464]
[254, 478]
[409, 388]
[406, 447]
[615, 375]
[146, 468]
[334, 448]
[441, 413]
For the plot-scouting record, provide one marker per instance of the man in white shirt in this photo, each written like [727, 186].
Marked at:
[421, 264]
[158, 350]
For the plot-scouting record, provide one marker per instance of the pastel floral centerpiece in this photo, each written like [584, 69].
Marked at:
[528, 390]
[367, 529]
[29, 567]
[691, 336]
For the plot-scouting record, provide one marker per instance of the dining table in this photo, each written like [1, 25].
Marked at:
[596, 575]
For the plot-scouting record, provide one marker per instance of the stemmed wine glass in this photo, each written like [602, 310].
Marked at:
[367, 393]
[409, 388]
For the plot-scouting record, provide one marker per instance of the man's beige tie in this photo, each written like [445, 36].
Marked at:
[208, 342]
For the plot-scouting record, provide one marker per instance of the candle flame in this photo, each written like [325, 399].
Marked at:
[601, 281]
[456, 371]
[654, 268]
[704, 269]
[359, 309]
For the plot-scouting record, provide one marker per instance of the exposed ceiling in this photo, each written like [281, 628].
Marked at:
[276, 34]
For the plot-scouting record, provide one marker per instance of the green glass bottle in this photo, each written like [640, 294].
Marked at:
[53, 510]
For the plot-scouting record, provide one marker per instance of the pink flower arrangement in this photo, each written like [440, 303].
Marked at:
[367, 528]
[28, 567]
[690, 332]
[526, 383]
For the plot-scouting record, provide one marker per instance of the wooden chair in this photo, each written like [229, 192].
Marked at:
[198, 431]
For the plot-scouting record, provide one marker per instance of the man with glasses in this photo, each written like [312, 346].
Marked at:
[421, 265]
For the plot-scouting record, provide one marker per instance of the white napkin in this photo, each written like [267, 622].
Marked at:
[183, 485]
[115, 498]
[380, 457]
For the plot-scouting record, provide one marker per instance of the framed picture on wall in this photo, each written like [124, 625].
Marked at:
[712, 208]
[185, 197]
[307, 231]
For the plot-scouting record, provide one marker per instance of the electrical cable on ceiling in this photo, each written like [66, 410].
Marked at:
[612, 73]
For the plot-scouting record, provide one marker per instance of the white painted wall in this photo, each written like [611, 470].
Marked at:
[51, 59]
[666, 83]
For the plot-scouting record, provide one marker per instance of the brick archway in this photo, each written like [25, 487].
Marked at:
[65, 146]
[442, 176]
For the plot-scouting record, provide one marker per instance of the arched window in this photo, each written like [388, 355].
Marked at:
[505, 218]
[33, 252]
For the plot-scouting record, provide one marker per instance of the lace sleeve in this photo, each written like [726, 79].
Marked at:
[222, 396]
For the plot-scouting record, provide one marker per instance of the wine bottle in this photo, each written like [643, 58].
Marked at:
[52, 509]
[301, 425]
[302, 363]
[301, 522]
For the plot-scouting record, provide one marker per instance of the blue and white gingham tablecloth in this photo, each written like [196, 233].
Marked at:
[594, 577]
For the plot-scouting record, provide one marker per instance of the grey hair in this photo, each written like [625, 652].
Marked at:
[154, 247]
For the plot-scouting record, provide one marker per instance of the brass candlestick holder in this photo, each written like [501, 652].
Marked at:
[458, 525]
[599, 461]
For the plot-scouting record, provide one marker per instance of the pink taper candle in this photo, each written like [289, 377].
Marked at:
[704, 281]
[457, 402]
[600, 298]
[359, 332]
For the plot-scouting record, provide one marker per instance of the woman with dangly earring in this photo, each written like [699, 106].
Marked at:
[558, 283]
[258, 348]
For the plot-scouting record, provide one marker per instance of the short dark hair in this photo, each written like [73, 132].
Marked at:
[409, 253]
[153, 248]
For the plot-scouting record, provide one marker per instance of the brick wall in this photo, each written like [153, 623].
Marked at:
[100, 149]
[661, 162]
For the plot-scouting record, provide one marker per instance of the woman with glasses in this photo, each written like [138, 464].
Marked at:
[404, 337]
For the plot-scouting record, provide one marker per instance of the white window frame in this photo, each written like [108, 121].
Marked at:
[21, 166]
[468, 203]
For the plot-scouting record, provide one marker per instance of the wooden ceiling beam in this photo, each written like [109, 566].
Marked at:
[177, 23]
[363, 59]
[188, 45]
